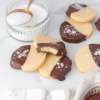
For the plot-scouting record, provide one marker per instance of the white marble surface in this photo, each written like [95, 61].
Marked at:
[12, 78]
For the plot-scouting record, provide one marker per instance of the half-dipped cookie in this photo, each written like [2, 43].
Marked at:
[56, 67]
[56, 48]
[74, 32]
[25, 58]
[81, 12]
[88, 58]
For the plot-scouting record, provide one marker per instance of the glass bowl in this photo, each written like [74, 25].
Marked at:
[38, 24]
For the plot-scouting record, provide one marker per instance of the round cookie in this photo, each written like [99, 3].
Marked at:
[56, 67]
[74, 32]
[19, 56]
[79, 12]
[88, 58]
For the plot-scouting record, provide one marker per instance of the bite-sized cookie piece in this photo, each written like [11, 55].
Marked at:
[74, 32]
[88, 58]
[34, 60]
[81, 12]
[19, 56]
[56, 48]
[56, 67]
[97, 24]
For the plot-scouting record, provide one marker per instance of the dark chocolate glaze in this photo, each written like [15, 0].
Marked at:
[95, 51]
[70, 34]
[74, 8]
[97, 24]
[59, 46]
[61, 68]
[19, 56]
[95, 96]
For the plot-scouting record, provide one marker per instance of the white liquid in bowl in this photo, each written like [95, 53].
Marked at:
[37, 24]
[18, 18]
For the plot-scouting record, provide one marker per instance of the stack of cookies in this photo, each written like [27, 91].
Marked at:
[78, 27]
[45, 55]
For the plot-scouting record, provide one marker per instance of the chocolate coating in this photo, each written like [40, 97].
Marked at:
[59, 46]
[19, 56]
[95, 51]
[93, 97]
[97, 24]
[93, 94]
[74, 8]
[61, 68]
[70, 34]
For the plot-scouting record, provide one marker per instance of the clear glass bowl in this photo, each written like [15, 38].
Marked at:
[27, 31]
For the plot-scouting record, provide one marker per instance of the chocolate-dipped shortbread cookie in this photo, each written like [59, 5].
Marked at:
[25, 58]
[97, 24]
[19, 56]
[56, 48]
[74, 32]
[79, 12]
[56, 67]
[88, 58]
